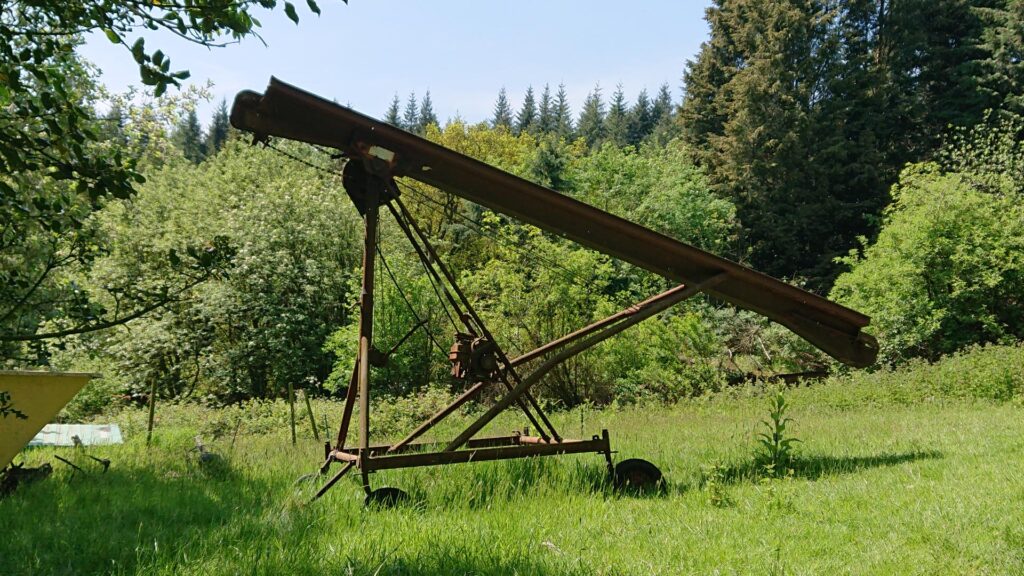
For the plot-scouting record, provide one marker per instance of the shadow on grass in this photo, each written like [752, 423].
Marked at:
[121, 520]
[817, 466]
[447, 561]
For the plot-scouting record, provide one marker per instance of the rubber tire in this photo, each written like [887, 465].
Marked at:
[636, 475]
[386, 497]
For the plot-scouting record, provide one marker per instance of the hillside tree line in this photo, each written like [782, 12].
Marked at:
[865, 149]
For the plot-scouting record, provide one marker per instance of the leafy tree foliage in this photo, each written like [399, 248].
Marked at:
[262, 323]
[57, 166]
[947, 269]
[45, 261]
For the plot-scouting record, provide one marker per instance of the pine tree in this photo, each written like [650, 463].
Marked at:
[663, 118]
[502, 111]
[701, 115]
[936, 54]
[751, 126]
[526, 119]
[661, 109]
[220, 125]
[545, 113]
[427, 116]
[562, 114]
[591, 123]
[392, 115]
[188, 136]
[547, 166]
[411, 119]
[113, 126]
[640, 122]
[761, 111]
[617, 122]
[1001, 71]
[804, 112]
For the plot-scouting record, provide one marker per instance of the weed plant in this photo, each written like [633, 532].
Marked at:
[776, 446]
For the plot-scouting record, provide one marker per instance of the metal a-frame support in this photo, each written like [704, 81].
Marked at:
[370, 192]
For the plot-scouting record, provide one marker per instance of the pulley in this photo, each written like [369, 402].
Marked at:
[474, 358]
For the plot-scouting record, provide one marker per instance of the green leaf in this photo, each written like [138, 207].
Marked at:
[138, 50]
[313, 7]
[112, 36]
[289, 9]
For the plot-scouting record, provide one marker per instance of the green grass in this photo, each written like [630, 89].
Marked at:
[878, 486]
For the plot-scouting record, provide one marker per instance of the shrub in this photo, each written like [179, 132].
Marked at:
[946, 271]
[990, 373]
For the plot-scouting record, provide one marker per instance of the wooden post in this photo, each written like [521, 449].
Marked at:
[312, 420]
[152, 411]
[291, 404]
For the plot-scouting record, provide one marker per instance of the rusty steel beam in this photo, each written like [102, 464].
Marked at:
[385, 449]
[334, 480]
[371, 220]
[598, 445]
[288, 112]
[440, 415]
[655, 300]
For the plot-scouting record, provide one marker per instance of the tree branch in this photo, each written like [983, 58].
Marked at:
[104, 325]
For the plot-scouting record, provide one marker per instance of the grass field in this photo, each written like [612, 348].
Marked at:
[883, 483]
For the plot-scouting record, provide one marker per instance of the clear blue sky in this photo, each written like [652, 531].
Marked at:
[463, 51]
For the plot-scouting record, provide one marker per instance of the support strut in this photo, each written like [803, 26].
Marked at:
[368, 459]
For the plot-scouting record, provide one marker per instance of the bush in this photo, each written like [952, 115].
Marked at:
[946, 271]
[988, 373]
[664, 359]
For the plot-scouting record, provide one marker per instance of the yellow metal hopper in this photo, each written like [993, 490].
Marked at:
[32, 400]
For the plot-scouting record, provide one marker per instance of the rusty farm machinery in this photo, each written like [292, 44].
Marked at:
[376, 155]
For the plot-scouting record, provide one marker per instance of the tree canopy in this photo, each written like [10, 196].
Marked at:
[805, 112]
[57, 165]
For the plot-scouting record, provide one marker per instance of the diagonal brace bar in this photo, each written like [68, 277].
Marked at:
[548, 365]
[415, 236]
[590, 329]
